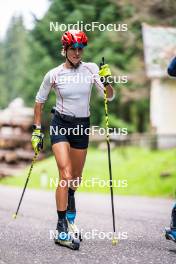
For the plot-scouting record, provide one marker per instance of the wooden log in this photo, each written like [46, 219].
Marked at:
[6, 170]
[27, 155]
[17, 122]
[24, 155]
[6, 144]
[11, 157]
[23, 137]
[18, 155]
[14, 141]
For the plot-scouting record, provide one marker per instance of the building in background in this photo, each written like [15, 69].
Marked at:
[159, 49]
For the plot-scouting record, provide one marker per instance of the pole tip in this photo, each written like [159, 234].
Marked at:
[114, 242]
[14, 216]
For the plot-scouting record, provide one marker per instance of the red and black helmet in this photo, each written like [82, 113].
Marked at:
[75, 38]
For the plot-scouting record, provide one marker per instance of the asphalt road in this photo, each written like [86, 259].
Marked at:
[140, 220]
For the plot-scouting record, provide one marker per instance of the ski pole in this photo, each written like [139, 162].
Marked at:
[114, 240]
[27, 179]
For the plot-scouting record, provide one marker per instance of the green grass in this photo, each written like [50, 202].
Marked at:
[141, 168]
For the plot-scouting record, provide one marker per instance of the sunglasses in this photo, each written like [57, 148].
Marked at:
[77, 45]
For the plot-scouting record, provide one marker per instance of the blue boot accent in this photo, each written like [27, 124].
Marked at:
[170, 234]
[63, 236]
[70, 216]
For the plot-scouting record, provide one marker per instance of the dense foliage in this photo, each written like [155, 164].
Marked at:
[25, 56]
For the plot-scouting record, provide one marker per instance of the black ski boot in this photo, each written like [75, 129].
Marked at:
[64, 238]
[170, 233]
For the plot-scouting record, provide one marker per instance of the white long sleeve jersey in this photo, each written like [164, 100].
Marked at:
[72, 87]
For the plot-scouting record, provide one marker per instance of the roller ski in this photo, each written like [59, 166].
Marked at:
[71, 215]
[64, 237]
[170, 233]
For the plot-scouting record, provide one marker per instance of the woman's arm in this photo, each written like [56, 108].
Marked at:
[41, 98]
[38, 113]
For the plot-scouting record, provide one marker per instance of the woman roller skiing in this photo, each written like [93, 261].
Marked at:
[170, 233]
[71, 111]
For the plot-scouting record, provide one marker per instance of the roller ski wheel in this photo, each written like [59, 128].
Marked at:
[170, 234]
[64, 238]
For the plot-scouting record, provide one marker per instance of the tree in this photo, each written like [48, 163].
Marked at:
[122, 50]
[3, 91]
[15, 56]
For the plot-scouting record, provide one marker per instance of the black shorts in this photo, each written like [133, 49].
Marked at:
[74, 131]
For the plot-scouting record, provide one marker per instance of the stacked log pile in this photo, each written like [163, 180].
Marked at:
[15, 138]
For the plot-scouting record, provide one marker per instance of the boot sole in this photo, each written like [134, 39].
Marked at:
[74, 245]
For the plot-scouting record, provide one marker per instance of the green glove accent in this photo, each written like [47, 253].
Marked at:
[37, 140]
[104, 72]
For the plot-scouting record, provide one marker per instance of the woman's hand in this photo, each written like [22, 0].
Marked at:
[104, 73]
[37, 135]
[37, 140]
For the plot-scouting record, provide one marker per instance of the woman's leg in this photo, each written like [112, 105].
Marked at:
[77, 158]
[61, 152]
[62, 155]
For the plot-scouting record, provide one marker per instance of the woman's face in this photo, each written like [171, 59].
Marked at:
[74, 54]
